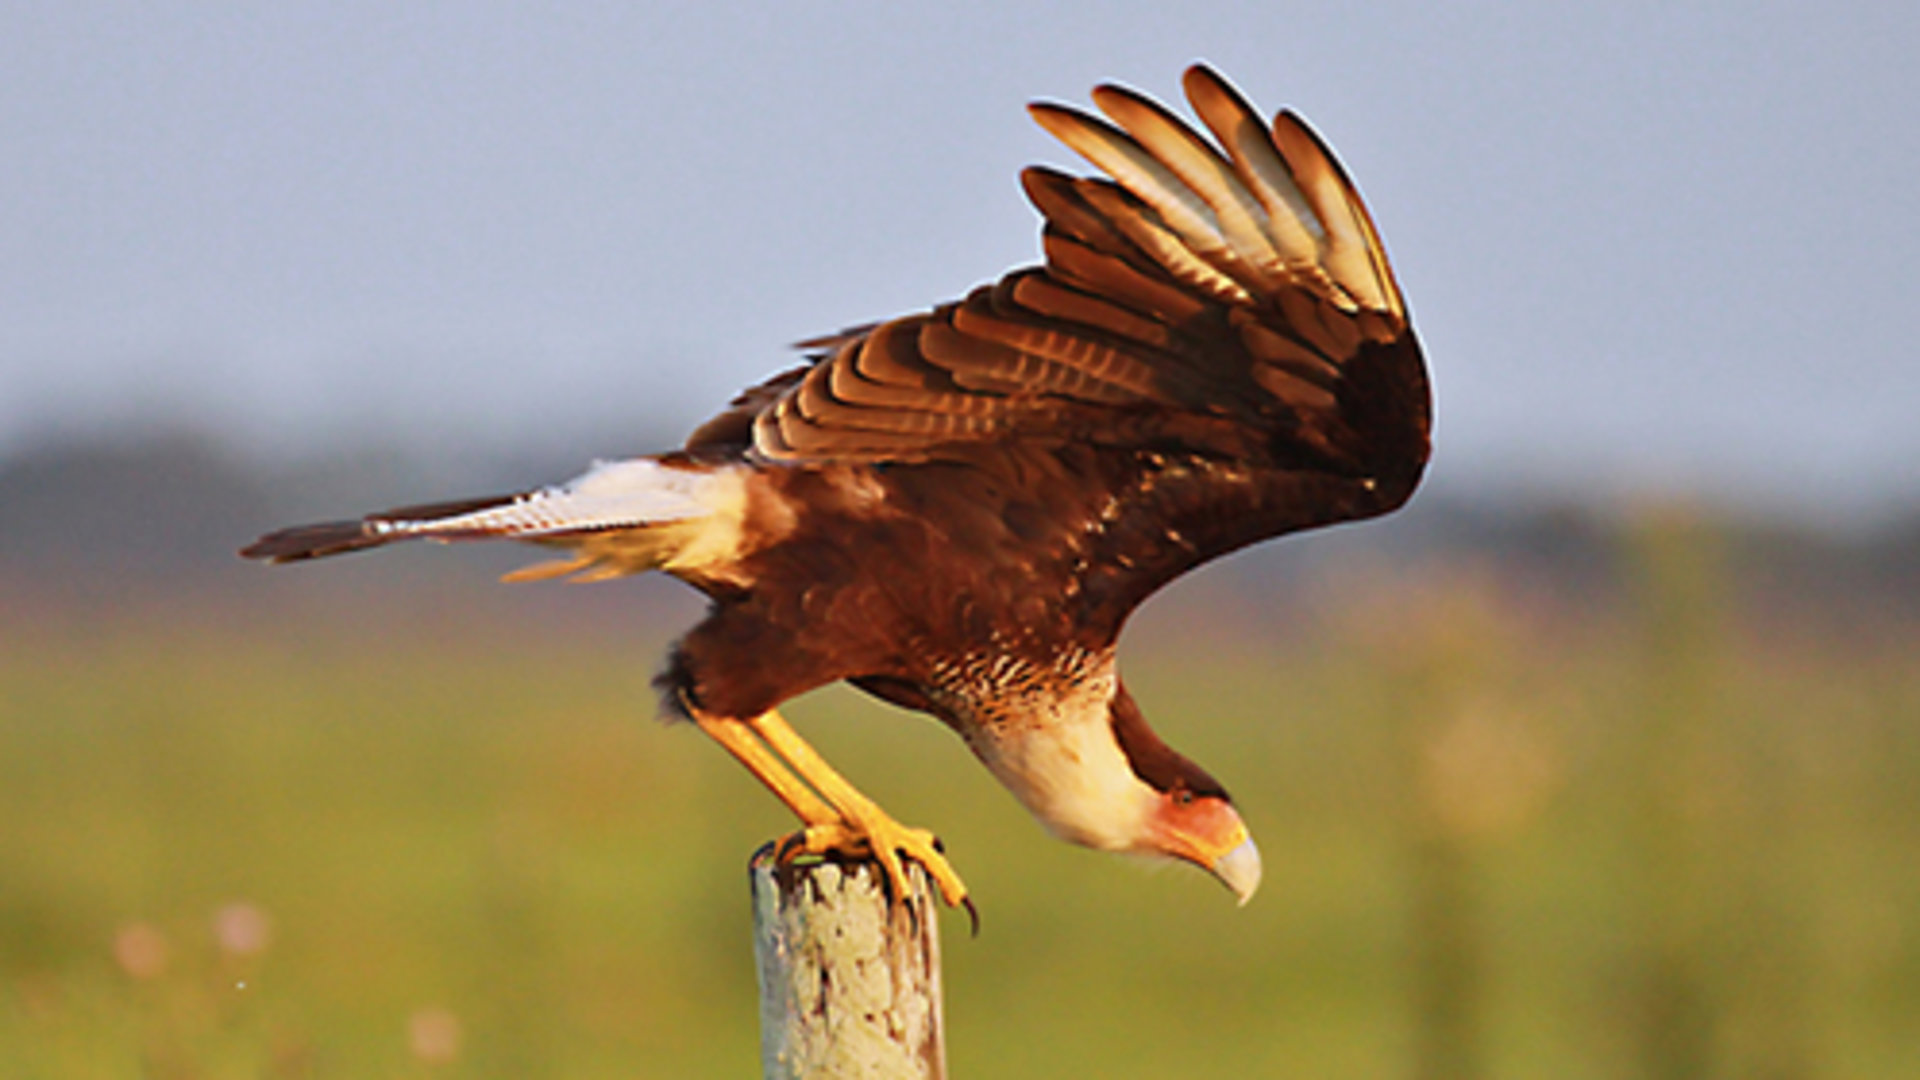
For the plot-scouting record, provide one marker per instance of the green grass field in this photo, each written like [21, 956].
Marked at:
[1504, 838]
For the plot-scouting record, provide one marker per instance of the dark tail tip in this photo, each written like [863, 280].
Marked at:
[336, 537]
[312, 542]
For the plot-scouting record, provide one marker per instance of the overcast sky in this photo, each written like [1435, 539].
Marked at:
[1648, 246]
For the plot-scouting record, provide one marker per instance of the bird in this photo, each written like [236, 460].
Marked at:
[957, 509]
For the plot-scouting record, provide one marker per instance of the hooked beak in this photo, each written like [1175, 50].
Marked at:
[1239, 870]
[1210, 834]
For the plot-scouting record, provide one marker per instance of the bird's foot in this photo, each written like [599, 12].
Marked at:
[885, 840]
[839, 819]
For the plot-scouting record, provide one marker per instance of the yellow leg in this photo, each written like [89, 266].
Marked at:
[837, 816]
[861, 826]
[742, 743]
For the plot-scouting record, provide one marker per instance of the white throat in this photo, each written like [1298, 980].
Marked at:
[1066, 766]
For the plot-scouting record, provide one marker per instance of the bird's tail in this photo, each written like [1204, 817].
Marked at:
[620, 517]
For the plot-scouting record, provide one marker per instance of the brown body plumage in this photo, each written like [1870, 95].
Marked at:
[957, 510]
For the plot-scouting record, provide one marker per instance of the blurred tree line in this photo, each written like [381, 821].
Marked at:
[156, 506]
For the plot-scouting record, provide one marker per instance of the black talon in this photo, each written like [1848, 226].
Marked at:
[784, 853]
[768, 850]
[973, 915]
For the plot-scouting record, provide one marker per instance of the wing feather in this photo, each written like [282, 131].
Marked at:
[1241, 218]
[822, 407]
[1049, 298]
[1347, 256]
[1080, 348]
[1290, 218]
[1150, 179]
[1104, 274]
[891, 357]
[1165, 246]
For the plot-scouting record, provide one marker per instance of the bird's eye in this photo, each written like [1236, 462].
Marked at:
[1183, 797]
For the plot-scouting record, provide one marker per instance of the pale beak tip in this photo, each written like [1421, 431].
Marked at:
[1239, 870]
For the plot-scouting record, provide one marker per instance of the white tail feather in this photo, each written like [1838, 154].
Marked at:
[611, 494]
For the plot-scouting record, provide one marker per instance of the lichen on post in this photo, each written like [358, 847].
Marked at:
[849, 981]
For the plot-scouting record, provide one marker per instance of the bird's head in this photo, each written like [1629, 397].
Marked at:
[1189, 816]
[1204, 829]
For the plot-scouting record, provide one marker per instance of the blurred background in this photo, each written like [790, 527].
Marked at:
[1600, 760]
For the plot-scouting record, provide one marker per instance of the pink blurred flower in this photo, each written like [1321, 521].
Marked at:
[141, 950]
[241, 929]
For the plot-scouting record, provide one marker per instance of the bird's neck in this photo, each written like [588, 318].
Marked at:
[1058, 754]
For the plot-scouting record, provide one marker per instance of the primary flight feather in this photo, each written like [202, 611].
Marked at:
[956, 510]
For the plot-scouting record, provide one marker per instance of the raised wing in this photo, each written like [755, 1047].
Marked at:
[1218, 318]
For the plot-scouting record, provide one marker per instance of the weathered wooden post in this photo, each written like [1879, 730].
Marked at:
[849, 983]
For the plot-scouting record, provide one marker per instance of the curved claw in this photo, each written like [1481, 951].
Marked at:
[789, 847]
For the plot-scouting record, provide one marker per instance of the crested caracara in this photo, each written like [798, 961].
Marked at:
[955, 510]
